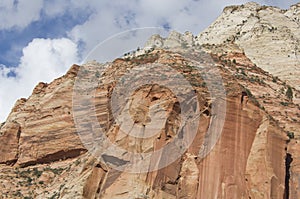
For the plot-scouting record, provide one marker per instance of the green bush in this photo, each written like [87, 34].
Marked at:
[291, 135]
[284, 103]
[289, 93]
[37, 173]
[97, 74]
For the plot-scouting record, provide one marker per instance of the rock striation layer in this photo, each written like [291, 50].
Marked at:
[269, 36]
[45, 154]
[248, 160]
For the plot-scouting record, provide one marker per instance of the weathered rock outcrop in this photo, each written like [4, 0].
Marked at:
[247, 161]
[269, 36]
[10, 133]
[45, 141]
[40, 129]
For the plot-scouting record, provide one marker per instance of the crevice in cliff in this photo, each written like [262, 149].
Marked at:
[244, 94]
[114, 160]
[288, 161]
[18, 142]
[95, 182]
[57, 156]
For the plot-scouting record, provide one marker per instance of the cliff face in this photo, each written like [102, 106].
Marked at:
[40, 129]
[248, 159]
[235, 137]
[269, 36]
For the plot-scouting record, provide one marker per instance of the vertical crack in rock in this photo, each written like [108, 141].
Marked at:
[95, 182]
[18, 143]
[288, 161]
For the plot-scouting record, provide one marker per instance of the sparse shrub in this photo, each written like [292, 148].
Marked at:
[29, 180]
[248, 92]
[97, 74]
[57, 171]
[291, 135]
[37, 173]
[184, 44]
[289, 93]
[61, 186]
[77, 162]
[243, 72]
[56, 195]
[284, 103]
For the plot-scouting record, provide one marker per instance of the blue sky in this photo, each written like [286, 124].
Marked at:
[40, 39]
[15, 39]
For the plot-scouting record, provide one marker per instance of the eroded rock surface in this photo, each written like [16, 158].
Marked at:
[269, 36]
[255, 156]
[248, 160]
[40, 129]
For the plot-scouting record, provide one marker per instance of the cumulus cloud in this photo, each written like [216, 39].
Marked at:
[42, 60]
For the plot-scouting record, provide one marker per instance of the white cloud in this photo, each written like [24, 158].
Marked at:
[181, 14]
[108, 18]
[19, 13]
[111, 17]
[56, 8]
[42, 60]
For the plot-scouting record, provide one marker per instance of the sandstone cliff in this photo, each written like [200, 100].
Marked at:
[269, 36]
[47, 143]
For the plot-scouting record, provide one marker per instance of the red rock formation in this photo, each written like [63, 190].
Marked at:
[247, 161]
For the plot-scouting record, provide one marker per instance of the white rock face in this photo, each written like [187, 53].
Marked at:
[154, 41]
[268, 35]
[174, 40]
